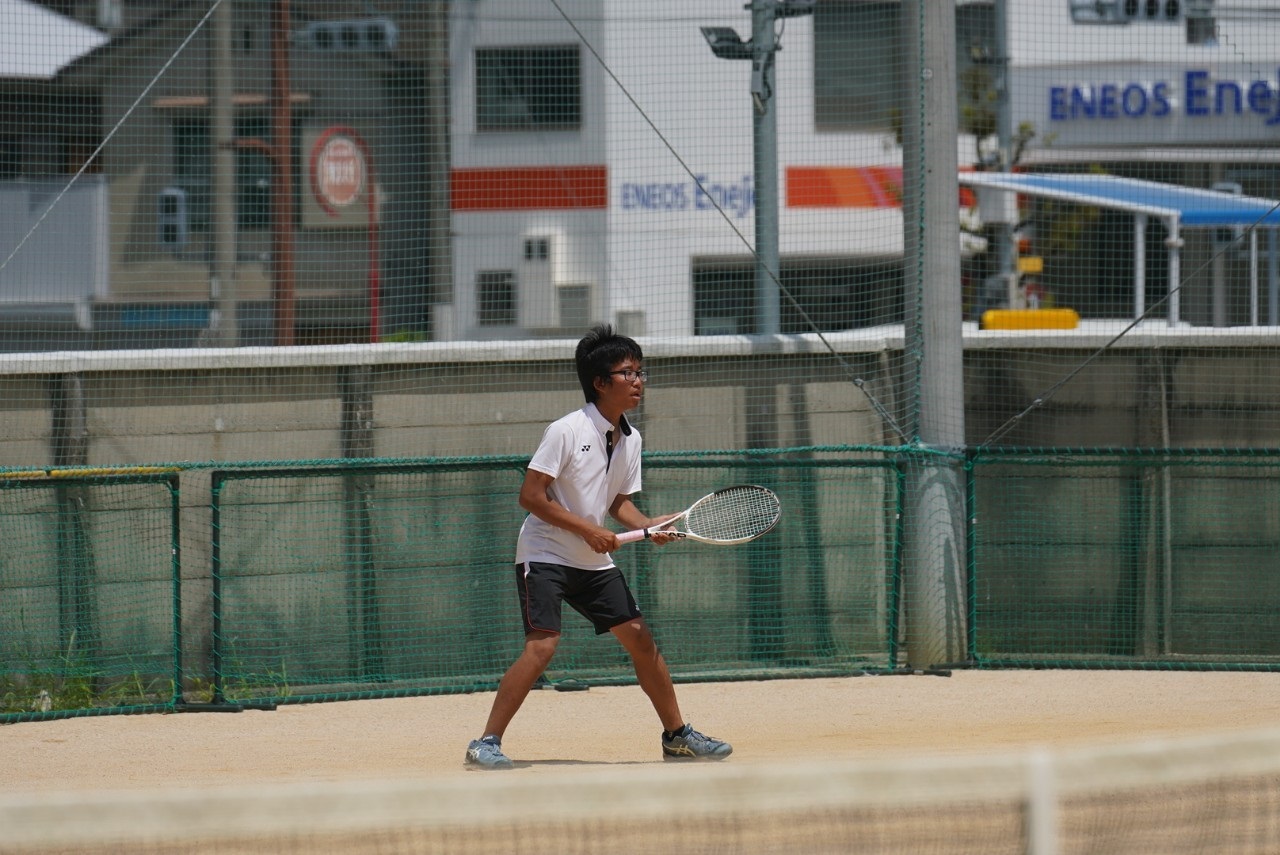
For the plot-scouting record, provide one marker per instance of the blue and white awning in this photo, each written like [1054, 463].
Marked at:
[1189, 206]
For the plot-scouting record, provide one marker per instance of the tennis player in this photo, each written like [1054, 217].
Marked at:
[587, 465]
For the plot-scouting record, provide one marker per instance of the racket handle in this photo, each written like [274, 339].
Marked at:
[633, 536]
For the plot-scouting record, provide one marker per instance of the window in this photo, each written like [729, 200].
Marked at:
[193, 171]
[858, 66]
[537, 249]
[520, 89]
[253, 175]
[859, 74]
[496, 298]
[48, 133]
[10, 156]
[834, 294]
[192, 168]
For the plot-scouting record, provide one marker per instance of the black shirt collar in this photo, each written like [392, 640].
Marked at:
[603, 424]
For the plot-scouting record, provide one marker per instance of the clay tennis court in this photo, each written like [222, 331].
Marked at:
[873, 717]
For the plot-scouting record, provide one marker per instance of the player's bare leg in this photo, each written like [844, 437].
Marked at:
[486, 752]
[679, 740]
[651, 671]
[539, 648]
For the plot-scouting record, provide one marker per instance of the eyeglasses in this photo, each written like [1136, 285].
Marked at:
[631, 375]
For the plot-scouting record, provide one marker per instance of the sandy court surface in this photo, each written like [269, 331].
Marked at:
[970, 712]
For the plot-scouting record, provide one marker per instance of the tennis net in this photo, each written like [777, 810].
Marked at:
[1217, 794]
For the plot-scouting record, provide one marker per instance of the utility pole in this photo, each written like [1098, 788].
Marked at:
[1006, 250]
[283, 291]
[279, 150]
[934, 552]
[439, 242]
[727, 44]
[765, 139]
[223, 328]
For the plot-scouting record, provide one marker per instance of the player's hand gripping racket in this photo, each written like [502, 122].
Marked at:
[725, 517]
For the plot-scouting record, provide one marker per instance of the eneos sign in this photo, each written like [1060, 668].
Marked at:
[1197, 93]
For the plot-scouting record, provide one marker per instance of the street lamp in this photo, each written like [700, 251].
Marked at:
[725, 43]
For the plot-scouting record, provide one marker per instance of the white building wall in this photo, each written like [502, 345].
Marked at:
[512, 23]
[674, 112]
[494, 239]
[701, 105]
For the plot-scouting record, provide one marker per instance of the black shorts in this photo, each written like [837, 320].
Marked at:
[601, 596]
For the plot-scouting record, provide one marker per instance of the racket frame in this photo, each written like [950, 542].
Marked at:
[647, 533]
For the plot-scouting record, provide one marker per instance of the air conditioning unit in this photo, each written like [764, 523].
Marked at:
[1153, 11]
[172, 228]
[1096, 12]
[541, 268]
[575, 306]
[367, 35]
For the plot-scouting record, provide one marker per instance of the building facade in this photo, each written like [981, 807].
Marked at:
[1181, 93]
[525, 169]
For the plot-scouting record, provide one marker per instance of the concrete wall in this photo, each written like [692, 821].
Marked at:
[1185, 387]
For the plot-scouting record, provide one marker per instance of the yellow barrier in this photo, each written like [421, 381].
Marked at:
[1030, 319]
[90, 472]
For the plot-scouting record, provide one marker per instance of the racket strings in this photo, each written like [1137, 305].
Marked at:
[734, 514]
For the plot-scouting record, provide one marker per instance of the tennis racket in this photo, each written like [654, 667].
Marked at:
[726, 517]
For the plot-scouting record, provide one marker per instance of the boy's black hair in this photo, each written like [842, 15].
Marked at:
[598, 352]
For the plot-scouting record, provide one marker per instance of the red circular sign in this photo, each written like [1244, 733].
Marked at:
[340, 172]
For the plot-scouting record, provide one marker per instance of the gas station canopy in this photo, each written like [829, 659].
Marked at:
[1179, 207]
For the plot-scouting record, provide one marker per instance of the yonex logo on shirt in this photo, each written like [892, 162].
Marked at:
[586, 448]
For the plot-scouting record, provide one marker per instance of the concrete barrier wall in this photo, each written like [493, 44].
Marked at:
[1162, 387]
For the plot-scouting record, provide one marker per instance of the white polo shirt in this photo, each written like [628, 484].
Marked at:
[573, 452]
